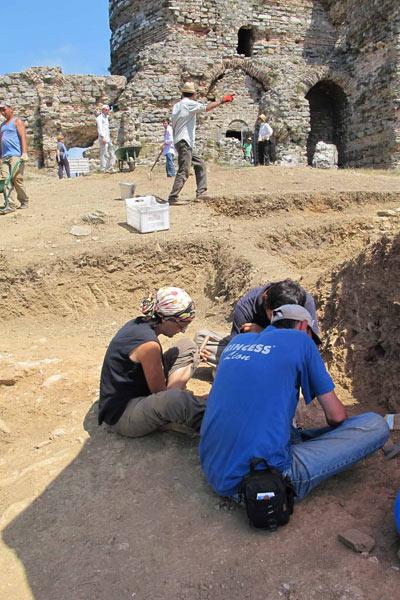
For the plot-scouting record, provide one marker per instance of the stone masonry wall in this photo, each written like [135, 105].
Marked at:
[296, 44]
[50, 102]
[322, 70]
[369, 50]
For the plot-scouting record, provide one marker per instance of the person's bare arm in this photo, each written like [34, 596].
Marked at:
[149, 356]
[251, 328]
[222, 100]
[335, 412]
[21, 134]
[215, 104]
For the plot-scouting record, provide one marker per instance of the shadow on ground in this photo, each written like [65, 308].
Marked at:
[135, 519]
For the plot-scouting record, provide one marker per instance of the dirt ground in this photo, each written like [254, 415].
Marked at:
[88, 515]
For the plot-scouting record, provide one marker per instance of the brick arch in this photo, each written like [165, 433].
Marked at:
[327, 74]
[260, 73]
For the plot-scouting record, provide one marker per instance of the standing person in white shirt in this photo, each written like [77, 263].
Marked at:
[184, 129]
[168, 148]
[107, 154]
[263, 141]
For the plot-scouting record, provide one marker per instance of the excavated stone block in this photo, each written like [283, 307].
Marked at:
[325, 156]
[357, 540]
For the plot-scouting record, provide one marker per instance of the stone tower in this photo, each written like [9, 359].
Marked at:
[321, 69]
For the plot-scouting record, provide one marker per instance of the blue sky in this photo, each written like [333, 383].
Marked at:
[72, 34]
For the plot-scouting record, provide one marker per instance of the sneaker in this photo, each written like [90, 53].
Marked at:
[23, 205]
[201, 196]
[7, 210]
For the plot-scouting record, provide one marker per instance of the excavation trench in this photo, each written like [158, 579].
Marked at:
[359, 302]
[92, 282]
[320, 245]
[260, 205]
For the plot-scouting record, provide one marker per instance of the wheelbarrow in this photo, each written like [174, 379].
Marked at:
[6, 185]
[129, 155]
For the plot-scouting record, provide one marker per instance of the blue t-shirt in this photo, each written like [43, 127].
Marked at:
[253, 401]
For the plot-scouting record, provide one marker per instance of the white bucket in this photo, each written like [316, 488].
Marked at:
[127, 190]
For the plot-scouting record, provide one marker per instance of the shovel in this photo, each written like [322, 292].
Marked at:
[155, 162]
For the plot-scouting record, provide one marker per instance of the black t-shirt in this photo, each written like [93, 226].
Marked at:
[250, 309]
[121, 379]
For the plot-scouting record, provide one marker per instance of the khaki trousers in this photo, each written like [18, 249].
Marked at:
[6, 166]
[215, 345]
[148, 413]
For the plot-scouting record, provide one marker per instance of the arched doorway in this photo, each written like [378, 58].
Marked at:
[328, 119]
[238, 130]
[82, 136]
[79, 141]
[245, 41]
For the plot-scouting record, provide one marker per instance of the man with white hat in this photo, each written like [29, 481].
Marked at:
[107, 154]
[13, 148]
[253, 401]
[264, 141]
[183, 123]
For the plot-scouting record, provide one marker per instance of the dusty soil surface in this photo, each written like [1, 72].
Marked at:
[86, 514]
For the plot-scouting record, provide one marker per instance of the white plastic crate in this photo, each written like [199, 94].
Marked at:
[127, 190]
[79, 166]
[145, 214]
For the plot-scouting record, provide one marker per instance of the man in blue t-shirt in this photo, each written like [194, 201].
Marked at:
[253, 401]
[252, 314]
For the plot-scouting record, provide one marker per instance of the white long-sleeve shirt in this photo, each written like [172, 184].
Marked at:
[103, 127]
[265, 132]
[168, 147]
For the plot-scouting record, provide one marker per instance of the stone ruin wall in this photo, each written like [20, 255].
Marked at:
[352, 45]
[50, 102]
[350, 49]
[369, 50]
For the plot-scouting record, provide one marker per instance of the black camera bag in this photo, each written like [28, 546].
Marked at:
[268, 496]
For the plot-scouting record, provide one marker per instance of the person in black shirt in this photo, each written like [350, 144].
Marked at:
[142, 389]
[252, 314]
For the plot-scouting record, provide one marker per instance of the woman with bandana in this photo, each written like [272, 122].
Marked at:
[142, 389]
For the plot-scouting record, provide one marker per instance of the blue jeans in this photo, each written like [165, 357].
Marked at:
[169, 165]
[318, 454]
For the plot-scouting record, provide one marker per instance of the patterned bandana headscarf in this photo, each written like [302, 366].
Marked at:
[168, 302]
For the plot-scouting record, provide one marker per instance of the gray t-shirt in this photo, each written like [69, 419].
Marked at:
[184, 120]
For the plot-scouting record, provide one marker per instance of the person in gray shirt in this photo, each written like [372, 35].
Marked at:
[183, 123]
